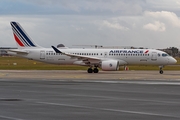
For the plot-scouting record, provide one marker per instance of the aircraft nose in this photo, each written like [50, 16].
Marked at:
[172, 61]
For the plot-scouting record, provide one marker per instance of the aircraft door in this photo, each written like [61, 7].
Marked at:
[154, 56]
[42, 54]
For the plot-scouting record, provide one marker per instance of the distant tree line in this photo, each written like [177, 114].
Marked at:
[173, 51]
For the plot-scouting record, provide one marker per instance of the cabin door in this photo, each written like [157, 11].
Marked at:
[42, 54]
[154, 56]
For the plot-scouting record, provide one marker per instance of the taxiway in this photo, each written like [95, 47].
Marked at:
[82, 74]
[30, 96]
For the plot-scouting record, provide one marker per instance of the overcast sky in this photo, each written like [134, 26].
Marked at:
[139, 23]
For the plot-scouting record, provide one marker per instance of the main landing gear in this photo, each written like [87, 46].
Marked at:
[161, 69]
[95, 70]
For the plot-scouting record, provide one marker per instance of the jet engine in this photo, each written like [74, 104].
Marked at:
[110, 65]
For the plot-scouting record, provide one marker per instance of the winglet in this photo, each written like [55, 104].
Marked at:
[56, 50]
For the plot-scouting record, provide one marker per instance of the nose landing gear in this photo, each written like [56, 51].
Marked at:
[161, 69]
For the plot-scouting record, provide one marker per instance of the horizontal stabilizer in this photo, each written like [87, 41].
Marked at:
[17, 51]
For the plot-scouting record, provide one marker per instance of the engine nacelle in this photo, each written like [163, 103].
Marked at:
[110, 65]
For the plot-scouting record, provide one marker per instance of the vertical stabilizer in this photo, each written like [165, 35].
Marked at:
[21, 37]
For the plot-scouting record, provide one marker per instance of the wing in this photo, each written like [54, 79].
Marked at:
[83, 58]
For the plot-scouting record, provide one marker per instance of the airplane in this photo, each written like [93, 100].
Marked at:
[106, 59]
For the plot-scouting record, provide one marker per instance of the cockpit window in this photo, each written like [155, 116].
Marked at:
[164, 55]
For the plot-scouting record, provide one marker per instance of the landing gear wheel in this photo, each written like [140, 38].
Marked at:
[96, 70]
[90, 70]
[161, 71]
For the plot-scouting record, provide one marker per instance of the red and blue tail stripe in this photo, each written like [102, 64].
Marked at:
[22, 39]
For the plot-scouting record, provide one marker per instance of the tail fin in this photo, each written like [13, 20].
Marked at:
[21, 37]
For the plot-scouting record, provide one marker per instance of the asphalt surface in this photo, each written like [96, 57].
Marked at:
[83, 75]
[37, 99]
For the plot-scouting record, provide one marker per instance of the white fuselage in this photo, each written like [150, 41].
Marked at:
[106, 59]
[124, 56]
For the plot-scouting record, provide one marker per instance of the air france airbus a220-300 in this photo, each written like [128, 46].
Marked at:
[106, 59]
